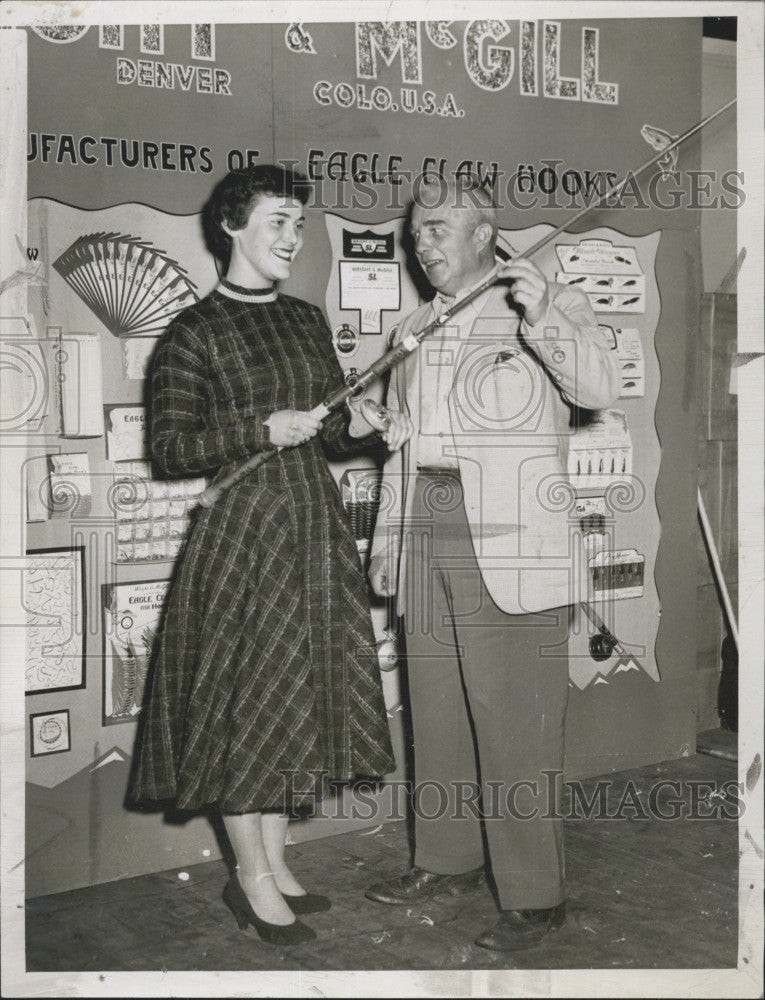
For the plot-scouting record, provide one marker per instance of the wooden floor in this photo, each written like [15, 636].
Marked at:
[643, 893]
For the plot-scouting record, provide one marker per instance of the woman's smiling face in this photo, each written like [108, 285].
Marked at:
[263, 251]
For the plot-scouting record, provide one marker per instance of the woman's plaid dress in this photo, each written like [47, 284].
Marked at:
[266, 677]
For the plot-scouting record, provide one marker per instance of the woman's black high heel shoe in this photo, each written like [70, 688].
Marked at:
[309, 902]
[236, 900]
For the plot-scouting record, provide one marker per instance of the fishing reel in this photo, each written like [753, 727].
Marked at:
[375, 414]
[387, 651]
[602, 645]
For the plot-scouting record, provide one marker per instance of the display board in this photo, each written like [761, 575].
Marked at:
[548, 113]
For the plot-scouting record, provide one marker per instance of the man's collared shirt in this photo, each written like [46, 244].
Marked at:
[438, 359]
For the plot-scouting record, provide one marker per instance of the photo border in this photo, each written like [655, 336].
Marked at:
[746, 979]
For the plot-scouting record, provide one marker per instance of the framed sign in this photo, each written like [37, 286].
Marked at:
[131, 617]
[49, 732]
[54, 601]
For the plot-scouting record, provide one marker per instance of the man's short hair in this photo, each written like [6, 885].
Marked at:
[460, 191]
[234, 197]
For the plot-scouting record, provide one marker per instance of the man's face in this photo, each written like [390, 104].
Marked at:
[271, 240]
[445, 248]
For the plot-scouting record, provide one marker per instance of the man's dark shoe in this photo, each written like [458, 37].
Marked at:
[519, 929]
[417, 885]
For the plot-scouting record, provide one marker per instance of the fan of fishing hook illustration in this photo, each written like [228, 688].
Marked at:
[133, 288]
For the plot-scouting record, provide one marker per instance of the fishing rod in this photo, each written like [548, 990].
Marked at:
[412, 341]
[617, 188]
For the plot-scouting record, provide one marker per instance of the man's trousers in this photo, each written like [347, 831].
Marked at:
[488, 696]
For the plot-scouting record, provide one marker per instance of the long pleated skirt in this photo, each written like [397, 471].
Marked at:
[265, 685]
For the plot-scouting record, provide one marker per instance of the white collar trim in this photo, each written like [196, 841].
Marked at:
[267, 296]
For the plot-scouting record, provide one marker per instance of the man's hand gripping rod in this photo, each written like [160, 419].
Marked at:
[412, 341]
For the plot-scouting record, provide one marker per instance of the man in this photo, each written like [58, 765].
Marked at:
[474, 536]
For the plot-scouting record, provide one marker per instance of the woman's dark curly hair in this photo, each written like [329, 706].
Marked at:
[233, 198]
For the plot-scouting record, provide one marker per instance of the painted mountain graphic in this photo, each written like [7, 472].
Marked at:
[80, 832]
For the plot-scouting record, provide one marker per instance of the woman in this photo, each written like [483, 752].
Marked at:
[266, 685]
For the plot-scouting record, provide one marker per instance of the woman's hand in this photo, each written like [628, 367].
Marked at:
[288, 428]
[399, 430]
